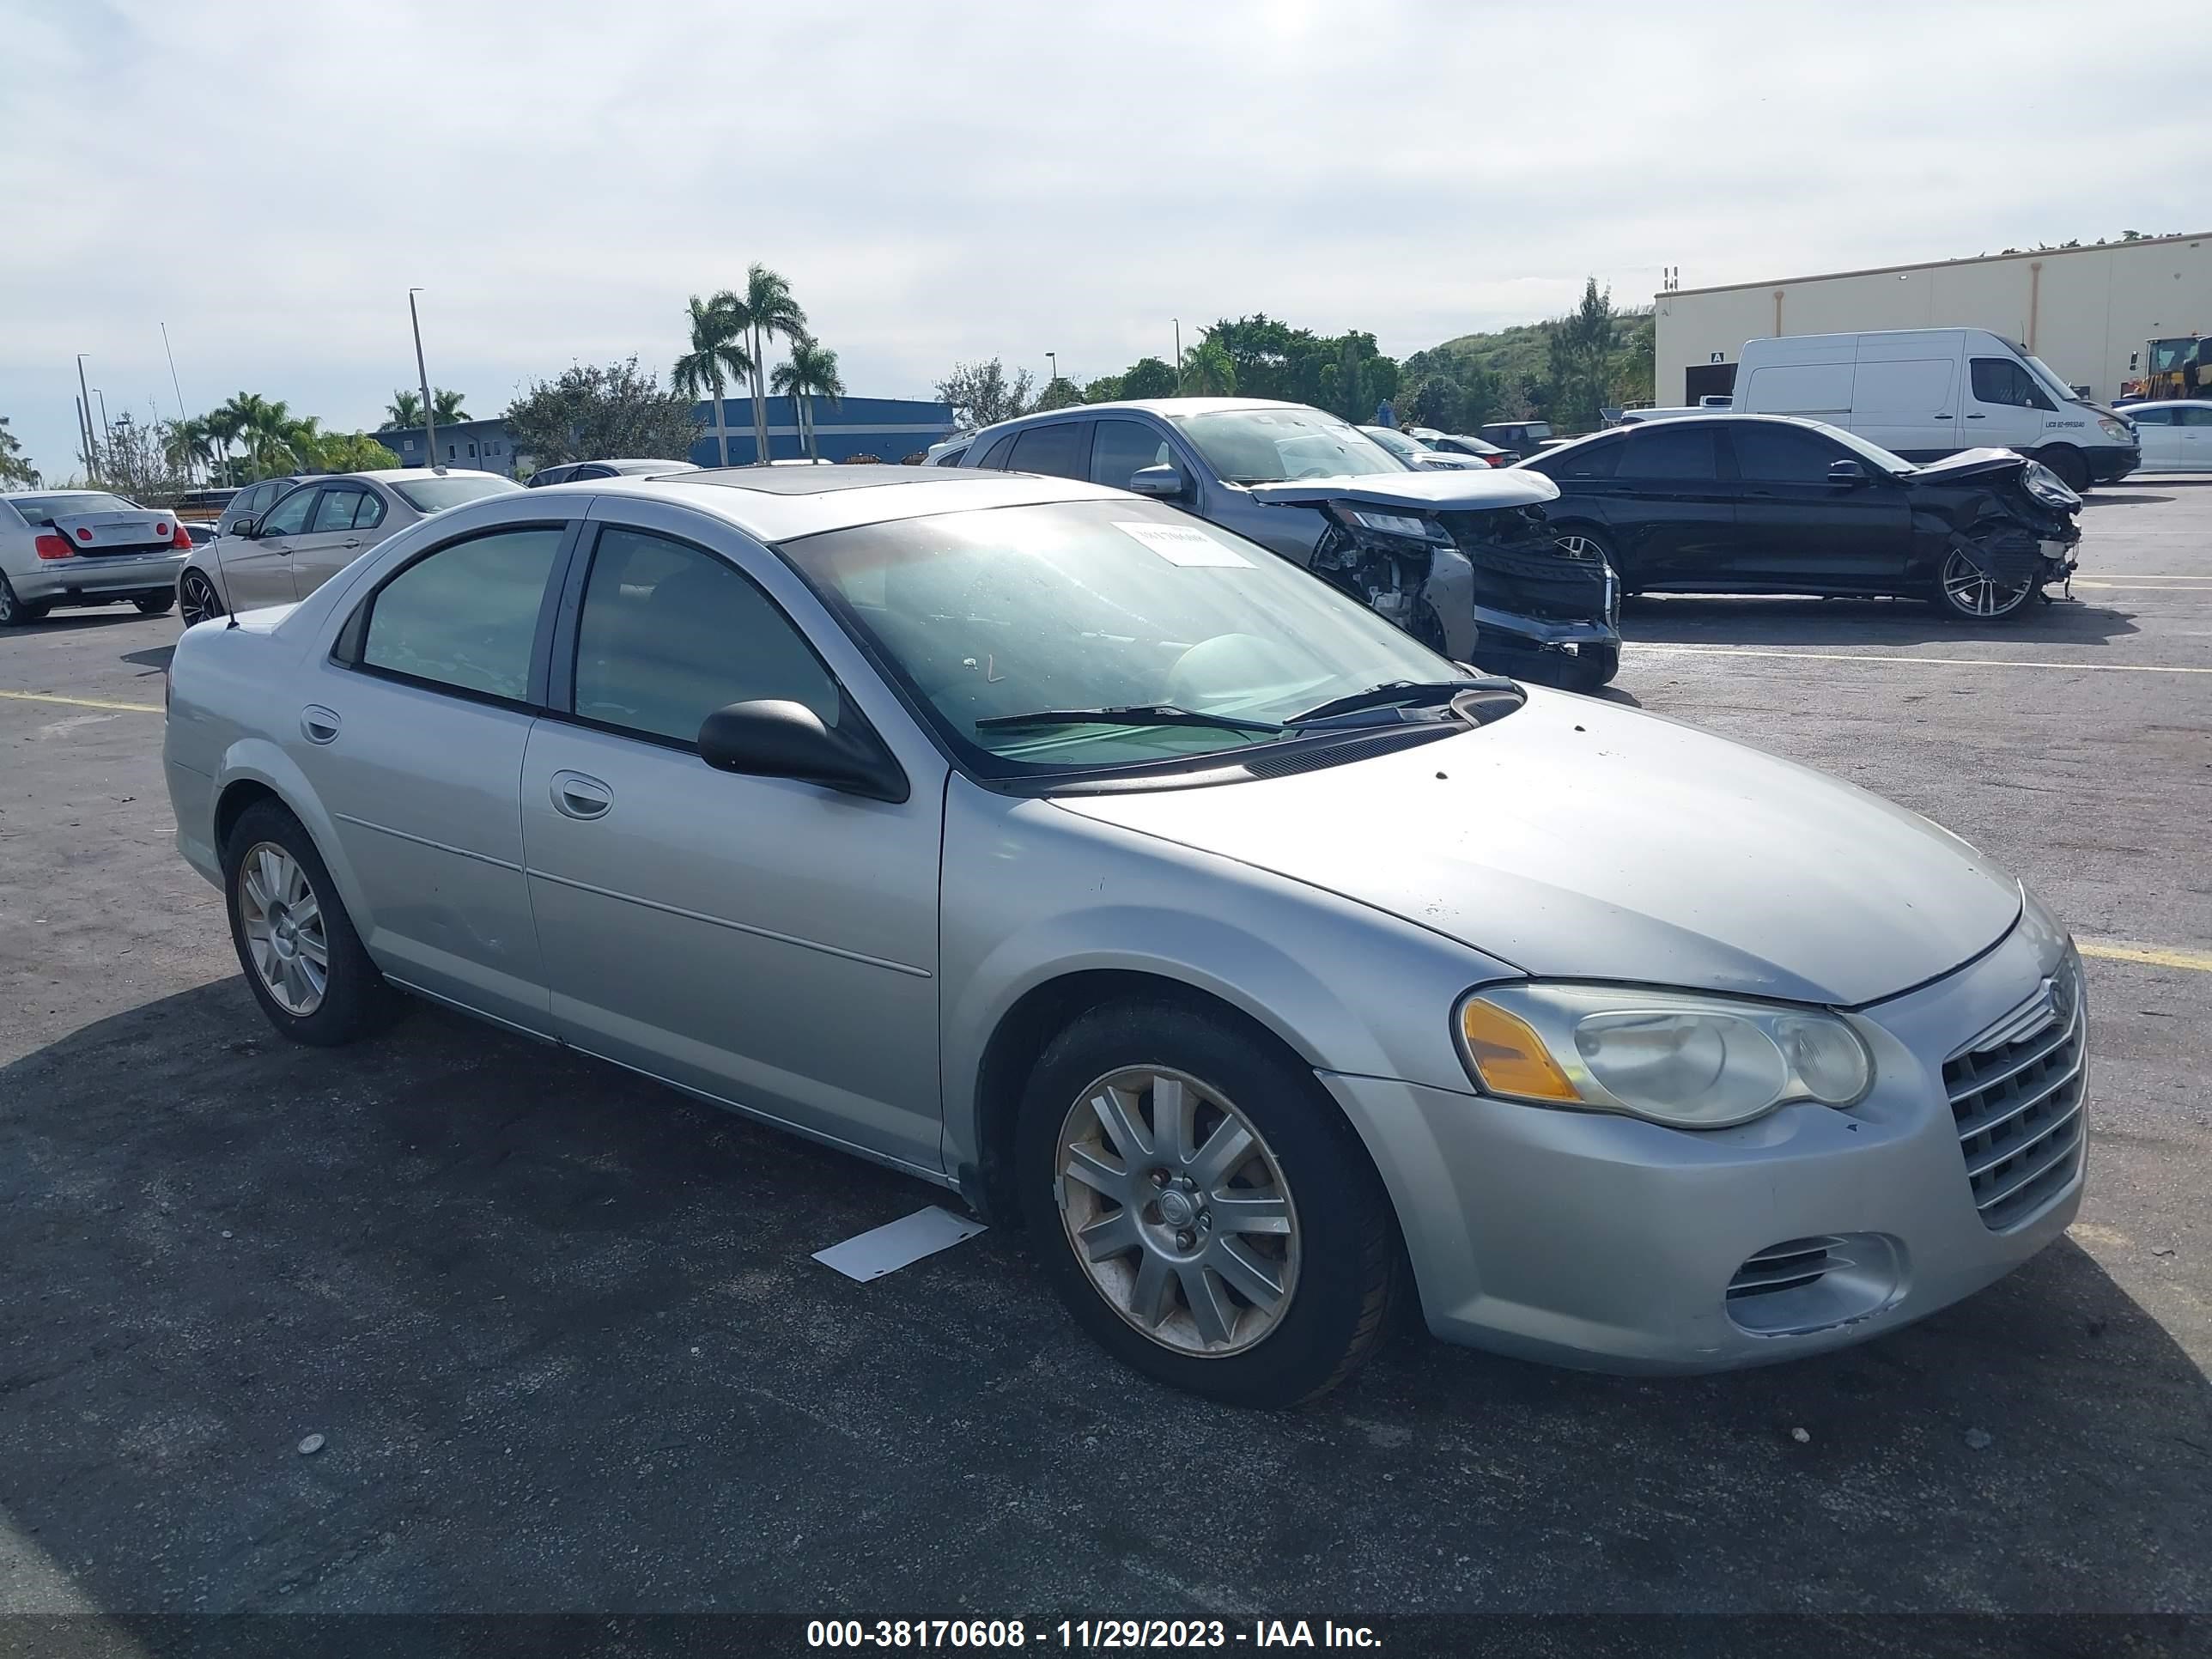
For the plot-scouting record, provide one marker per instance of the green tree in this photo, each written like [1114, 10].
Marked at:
[717, 349]
[811, 373]
[1107, 388]
[403, 411]
[450, 407]
[1580, 359]
[16, 471]
[352, 452]
[187, 443]
[1060, 392]
[765, 310]
[1208, 370]
[1148, 377]
[980, 394]
[1438, 401]
[587, 412]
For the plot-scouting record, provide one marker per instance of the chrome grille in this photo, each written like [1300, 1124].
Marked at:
[2016, 1095]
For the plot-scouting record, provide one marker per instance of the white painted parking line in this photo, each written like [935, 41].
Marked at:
[1948, 662]
[898, 1243]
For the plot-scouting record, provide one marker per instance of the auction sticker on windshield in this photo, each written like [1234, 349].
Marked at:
[1184, 544]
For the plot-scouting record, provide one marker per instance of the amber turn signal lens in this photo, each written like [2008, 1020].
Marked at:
[1509, 1056]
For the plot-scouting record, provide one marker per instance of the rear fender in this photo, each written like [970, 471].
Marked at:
[256, 759]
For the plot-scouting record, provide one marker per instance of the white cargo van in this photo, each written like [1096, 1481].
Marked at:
[1927, 393]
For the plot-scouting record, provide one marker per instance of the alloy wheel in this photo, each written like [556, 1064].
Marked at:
[285, 933]
[1177, 1209]
[196, 599]
[1974, 592]
[1580, 547]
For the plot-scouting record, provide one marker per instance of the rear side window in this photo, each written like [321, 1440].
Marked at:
[1122, 449]
[467, 616]
[1671, 450]
[336, 510]
[1062, 450]
[2002, 380]
[1781, 454]
[2195, 417]
[1585, 461]
[952, 458]
[668, 634]
[995, 457]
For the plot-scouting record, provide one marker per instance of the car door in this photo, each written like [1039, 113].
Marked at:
[767, 942]
[1124, 445]
[412, 733]
[2004, 407]
[2159, 430]
[258, 570]
[1798, 527]
[343, 523]
[1673, 517]
[2193, 425]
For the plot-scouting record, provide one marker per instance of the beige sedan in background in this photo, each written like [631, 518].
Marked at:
[313, 531]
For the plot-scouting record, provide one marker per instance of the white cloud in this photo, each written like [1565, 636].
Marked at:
[956, 181]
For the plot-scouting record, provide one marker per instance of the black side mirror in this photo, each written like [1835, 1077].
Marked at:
[1163, 481]
[247, 528]
[770, 738]
[1848, 474]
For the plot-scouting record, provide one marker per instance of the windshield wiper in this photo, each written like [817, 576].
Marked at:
[1136, 714]
[1396, 694]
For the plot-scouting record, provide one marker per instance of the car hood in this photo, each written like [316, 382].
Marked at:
[1580, 839]
[1970, 464]
[1458, 491]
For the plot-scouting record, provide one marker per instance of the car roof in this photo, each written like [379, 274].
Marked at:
[780, 504]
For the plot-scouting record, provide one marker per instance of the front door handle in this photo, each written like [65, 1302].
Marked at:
[578, 796]
[1939, 417]
[1978, 417]
[318, 724]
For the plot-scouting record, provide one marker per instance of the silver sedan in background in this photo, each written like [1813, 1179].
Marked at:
[314, 531]
[85, 547]
[1059, 847]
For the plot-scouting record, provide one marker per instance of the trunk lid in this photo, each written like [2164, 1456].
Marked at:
[141, 531]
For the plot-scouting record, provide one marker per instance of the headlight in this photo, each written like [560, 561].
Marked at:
[1388, 524]
[1690, 1061]
[2049, 488]
[2112, 429]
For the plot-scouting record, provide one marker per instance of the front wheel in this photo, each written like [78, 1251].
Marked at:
[1593, 666]
[2068, 463]
[1973, 594]
[156, 605]
[1202, 1209]
[197, 597]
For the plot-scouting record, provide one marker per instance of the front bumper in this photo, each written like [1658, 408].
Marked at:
[1608, 1244]
[2111, 465]
[120, 576]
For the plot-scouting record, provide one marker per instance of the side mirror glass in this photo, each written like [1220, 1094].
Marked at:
[247, 528]
[772, 738]
[1166, 481]
[1846, 473]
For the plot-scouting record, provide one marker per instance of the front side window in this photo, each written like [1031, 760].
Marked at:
[669, 633]
[2001, 380]
[1122, 449]
[289, 516]
[1674, 452]
[2154, 416]
[1268, 445]
[1094, 606]
[1781, 454]
[466, 617]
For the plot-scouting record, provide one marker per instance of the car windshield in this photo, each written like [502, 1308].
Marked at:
[1266, 446]
[435, 495]
[1865, 450]
[1098, 606]
[1396, 442]
[40, 510]
[2057, 388]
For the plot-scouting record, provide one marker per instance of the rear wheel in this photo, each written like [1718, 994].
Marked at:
[156, 604]
[14, 611]
[198, 597]
[302, 959]
[1202, 1209]
[1970, 594]
[2067, 462]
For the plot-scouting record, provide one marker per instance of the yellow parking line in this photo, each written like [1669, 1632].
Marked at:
[84, 702]
[1954, 662]
[2158, 955]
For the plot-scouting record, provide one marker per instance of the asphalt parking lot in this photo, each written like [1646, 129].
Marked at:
[562, 1334]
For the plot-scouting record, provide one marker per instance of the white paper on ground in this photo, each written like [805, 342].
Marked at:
[895, 1244]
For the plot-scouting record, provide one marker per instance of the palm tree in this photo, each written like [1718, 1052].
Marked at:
[447, 406]
[811, 373]
[765, 310]
[1208, 371]
[186, 443]
[246, 419]
[303, 438]
[405, 410]
[717, 350]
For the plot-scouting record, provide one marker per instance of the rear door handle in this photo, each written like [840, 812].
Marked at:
[318, 724]
[1939, 417]
[356, 541]
[575, 795]
[1974, 417]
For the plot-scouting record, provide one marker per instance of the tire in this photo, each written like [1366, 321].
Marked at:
[1963, 593]
[196, 594]
[2067, 462]
[1593, 544]
[15, 612]
[1199, 1308]
[156, 604]
[271, 872]
[1594, 665]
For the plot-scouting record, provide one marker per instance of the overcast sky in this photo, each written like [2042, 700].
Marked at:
[958, 179]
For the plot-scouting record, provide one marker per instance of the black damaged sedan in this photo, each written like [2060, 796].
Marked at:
[1771, 504]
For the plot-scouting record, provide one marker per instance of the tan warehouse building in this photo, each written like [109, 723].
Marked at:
[2088, 312]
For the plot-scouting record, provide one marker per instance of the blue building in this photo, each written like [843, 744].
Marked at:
[888, 428]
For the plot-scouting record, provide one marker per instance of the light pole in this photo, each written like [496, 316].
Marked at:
[429, 416]
[1053, 358]
[191, 467]
[106, 426]
[91, 443]
[1178, 323]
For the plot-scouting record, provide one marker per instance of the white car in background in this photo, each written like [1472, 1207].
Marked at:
[2177, 435]
[314, 531]
[85, 547]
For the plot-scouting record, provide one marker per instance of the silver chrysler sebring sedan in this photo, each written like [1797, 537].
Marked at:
[1051, 845]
